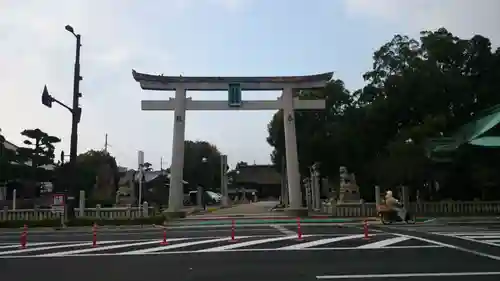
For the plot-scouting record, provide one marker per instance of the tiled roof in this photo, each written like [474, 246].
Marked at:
[232, 79]
[148, 176]
[258, 174]
[10, 145]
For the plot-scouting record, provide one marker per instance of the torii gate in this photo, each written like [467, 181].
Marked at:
[234, 85]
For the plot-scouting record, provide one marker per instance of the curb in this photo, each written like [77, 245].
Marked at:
[201, 212]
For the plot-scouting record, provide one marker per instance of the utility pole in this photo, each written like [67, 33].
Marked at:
[76, 113]
[106, 143]
[75, 120]
[161, 163]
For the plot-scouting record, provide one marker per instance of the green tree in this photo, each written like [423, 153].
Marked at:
[5, 161]
[11, 169]
[427, 89]
[317, 132]
[2, 138]
[417, 90]
[97, 174]
[40, 148]
[32, 159]
[202, 162]
[241, 164]
[148, 167]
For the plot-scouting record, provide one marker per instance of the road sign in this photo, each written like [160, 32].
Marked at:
[234, 95]
[58, 203]
[46, 98]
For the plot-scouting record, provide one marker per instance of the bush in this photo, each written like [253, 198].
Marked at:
[83, 222]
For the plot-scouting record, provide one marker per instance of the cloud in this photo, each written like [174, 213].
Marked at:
[462, 17]
[117, 36]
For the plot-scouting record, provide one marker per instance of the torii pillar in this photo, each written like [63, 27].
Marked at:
[234, 85]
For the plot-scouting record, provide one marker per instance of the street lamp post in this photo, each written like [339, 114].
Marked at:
[203, 187]
[76, 113]
[161, 163]
[76, 96]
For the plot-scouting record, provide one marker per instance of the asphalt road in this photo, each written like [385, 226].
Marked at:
[265, 252]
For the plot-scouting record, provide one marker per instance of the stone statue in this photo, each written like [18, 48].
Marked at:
[349, 190]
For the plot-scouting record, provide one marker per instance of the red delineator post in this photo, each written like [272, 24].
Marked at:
[164, 241]
[24, 237]
[299, 230]
[94, 235]
[233, 230]
[365, 230]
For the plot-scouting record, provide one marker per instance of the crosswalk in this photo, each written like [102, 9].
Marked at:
[486, 237]
[213, 244]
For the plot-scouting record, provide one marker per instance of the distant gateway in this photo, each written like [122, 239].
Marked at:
[234, 86]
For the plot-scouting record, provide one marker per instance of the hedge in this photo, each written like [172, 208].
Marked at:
[83, 222]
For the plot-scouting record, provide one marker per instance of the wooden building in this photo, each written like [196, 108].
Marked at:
[264, 180]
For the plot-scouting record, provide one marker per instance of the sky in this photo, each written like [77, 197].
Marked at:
[191, 38]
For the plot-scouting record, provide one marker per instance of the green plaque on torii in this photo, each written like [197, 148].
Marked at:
[234, 95]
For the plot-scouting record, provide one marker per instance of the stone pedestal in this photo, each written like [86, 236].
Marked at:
[349, 190]
[349, 195]
[226, 202]
[315, 187]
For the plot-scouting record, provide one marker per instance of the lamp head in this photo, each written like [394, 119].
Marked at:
[69, 28]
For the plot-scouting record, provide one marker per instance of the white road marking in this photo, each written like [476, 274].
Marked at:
[486, 242]
[321, 242]
[403, 275]
[250, 243]
[89, 250]
[150, 232]
[466, 233]
[50, 247]
[384, 243]
[225, 228]
[477, 253]
[481, 236]
[283, 230]
[475, 222]
[69, 243]
[53, 247]
[12, 245]
[227, 251]
[328, 248]
[241, 224]
[181, 245]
